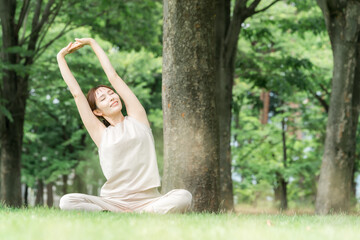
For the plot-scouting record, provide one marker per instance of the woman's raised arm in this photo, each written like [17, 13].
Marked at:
[132, 104]
[92, 124]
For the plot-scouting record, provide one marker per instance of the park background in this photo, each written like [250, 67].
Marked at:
[280, 97]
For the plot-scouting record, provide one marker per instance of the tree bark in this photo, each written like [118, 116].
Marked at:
[14, 91]
[191, 136]
[334, 188]
[264, 113]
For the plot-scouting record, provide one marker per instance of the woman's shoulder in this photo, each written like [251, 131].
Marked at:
[137, 123]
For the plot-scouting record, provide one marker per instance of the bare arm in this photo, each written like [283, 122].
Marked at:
[133, 105]
[92, 124]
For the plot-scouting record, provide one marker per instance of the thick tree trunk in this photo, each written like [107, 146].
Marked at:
[14, 91]
[191, 151]
[334, 188]
[39, 200]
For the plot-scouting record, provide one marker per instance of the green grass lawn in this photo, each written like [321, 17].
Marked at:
[52, 224]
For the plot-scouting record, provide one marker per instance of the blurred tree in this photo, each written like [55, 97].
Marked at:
[284, 61]
[229, 22]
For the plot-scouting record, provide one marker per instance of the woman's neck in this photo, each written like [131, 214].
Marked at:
[115, 119]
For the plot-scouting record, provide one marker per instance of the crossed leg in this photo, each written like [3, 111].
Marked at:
[79, 201]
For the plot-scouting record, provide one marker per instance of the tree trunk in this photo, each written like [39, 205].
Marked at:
[281, 180]
[264, 113]
[39, 200]
[334, 188]
[224, 83]
[26, 194]
[14, 87]
[228, 27]
[191, 151]
[281, 192]
[14, 92]
[353, 200]
[79, 185]
[65, 185]
[50, 195]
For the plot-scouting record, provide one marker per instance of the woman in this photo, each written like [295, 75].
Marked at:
[125, 145]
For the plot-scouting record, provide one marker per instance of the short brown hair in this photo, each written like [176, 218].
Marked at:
[92, 102]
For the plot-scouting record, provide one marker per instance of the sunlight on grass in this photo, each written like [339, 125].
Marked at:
[42, 223]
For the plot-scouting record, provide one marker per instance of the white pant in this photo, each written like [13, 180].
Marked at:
[175, 201]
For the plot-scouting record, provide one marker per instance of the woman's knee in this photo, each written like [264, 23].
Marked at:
[69, 201]
[184, 199]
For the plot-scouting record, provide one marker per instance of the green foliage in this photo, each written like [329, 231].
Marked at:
[280, 53]
[132, 25]
[258, 151]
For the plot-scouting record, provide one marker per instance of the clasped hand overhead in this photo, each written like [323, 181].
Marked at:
[72, 47]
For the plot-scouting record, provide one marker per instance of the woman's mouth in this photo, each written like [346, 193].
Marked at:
[114, 104]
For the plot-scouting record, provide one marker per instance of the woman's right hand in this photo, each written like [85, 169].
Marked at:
[66, 50]
[80, 42]
[84, 41]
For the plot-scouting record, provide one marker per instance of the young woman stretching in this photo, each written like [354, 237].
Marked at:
[125, 145]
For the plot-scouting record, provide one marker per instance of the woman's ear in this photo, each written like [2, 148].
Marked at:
[97, 112]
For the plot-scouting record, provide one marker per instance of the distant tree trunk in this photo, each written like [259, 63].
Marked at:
[94, 190]
[265, 98]
[65, 185]
[79, 184]
[281, 192]
[191, 137]
[26, 193]
[50, 195]
[39, 200]
[334, 188]
[281, 180]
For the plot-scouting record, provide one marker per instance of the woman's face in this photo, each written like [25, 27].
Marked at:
[107, 101]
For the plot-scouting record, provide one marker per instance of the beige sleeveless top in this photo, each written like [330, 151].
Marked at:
[128, 159]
